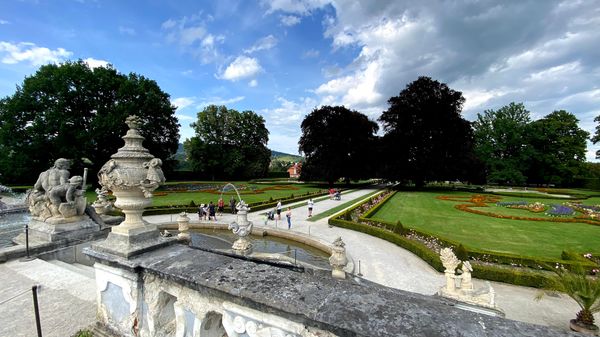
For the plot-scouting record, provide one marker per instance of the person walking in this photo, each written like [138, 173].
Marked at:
[211, 211]
[288, 215]
[310, 204]
[232, 204]
[279, 209]
[221, 205]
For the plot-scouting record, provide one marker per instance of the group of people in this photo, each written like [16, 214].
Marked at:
[335, 194]
[210, 211]
[288, 214]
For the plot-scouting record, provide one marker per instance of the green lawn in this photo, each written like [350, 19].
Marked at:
[262, 192]
[422, 211]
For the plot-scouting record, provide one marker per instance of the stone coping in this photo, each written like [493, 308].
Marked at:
[345, 307]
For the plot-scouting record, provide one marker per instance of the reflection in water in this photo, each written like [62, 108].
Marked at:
[222, 239]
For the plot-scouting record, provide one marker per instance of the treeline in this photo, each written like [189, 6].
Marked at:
[426, 139]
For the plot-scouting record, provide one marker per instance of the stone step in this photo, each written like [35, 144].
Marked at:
[78, 268]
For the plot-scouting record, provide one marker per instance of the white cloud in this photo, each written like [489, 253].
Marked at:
[264, 43]
[303, 7]
[94, 63]
[4, 22]
[242, 67]
[311, 53]
[253, 83]
[182, 117]
[29, 52]
[218, 101]
[192, 36]
[183, 102]
[289, 20]
[127, 30]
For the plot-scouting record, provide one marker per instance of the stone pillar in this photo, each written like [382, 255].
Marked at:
[242, 228]
[119, 296]
[338, 259]
[184, 226]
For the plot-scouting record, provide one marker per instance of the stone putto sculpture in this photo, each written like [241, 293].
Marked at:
[56, 195]
[460, 287]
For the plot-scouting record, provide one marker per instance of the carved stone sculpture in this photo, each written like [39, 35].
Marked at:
[184, 227]
[338, 259]
[132, 174]
[466, 284]
[465, 292]
[102, 205]
[242, 228]
[56, 195]
[450, 262]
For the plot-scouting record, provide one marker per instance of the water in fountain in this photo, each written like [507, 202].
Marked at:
[234, 188]
[13, 215]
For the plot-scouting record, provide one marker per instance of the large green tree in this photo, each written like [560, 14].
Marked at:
[228, 144]
[558, 145]
[426, 137]
[501, 143]
[70, 110]
[337, 143]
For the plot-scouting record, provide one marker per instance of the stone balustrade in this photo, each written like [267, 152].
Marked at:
[181, 291]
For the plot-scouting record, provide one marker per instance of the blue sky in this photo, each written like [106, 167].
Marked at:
[283, 58]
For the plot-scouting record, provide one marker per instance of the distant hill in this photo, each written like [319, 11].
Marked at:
[280, 156]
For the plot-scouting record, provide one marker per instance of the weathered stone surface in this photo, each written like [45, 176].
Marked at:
[343, 307]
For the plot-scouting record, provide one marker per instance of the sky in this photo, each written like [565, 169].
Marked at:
[284, 58]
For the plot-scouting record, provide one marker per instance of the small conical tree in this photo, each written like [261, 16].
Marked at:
[583, 289]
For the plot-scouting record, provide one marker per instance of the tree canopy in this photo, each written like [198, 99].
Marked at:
[500, 142]
[72, 111]
[228, 144]
[426, 137]
[337, 143]
[558, 146]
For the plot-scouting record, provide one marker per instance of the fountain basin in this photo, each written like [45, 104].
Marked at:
[268, 243]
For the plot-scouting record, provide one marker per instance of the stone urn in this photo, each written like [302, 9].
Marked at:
[131, 174]
[338, 259]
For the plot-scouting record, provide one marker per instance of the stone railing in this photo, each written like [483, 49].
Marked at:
[181, 291]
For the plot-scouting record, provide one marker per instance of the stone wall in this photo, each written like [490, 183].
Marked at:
[181, 291]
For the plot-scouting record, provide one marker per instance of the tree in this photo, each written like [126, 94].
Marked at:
[337, 143]
[72, 111]
[558, 146]
[501, 143]
[228, 144]
[426, 138]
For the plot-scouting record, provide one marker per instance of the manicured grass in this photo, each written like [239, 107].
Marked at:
[422, 211]
[336, 209]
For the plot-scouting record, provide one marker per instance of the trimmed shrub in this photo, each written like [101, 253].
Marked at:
[462, 253]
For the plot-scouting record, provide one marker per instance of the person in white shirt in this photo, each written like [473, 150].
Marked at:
[279, 209]
[310, 207]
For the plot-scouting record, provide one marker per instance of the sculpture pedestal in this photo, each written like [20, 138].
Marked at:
[59, 229]
[136, 241]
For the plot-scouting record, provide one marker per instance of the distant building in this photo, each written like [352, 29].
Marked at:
[295, 170]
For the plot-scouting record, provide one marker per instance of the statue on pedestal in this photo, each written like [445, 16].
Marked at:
[56, 195]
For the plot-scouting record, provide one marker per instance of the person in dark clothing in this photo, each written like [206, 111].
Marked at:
[232, 204]
[211, 211]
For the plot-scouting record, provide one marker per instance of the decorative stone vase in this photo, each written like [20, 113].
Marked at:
[183, 222]
[131, 174]
[591, 330]
[338, 259]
